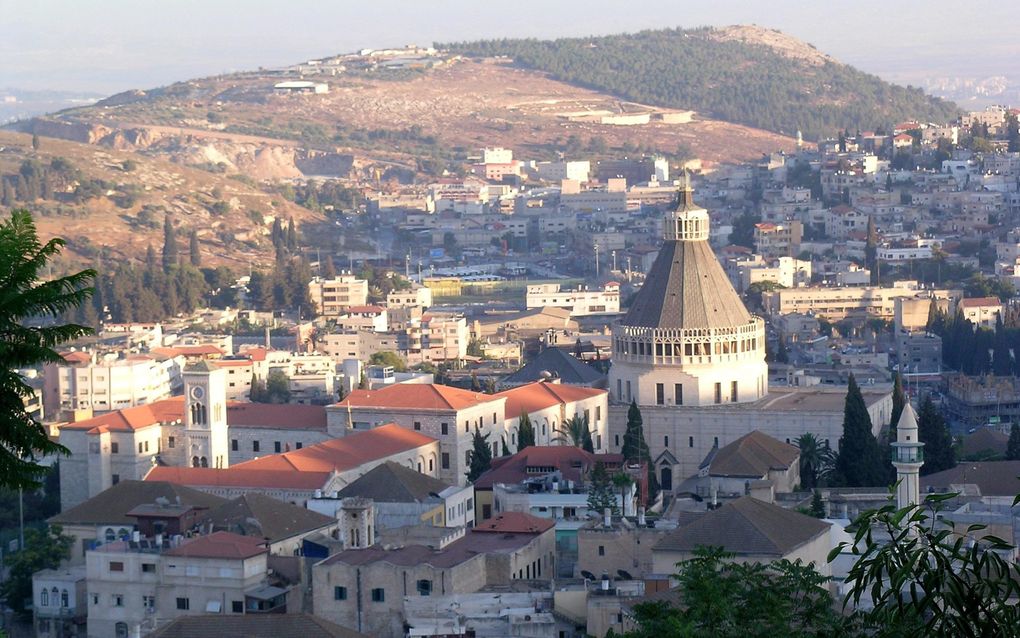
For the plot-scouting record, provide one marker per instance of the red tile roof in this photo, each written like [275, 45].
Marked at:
[514, 523]
[255, 354]
[189, 351]
[979, 302]
[132, 419]
[541, 395]
[278, 416]
[77, 357]
[237, 476]
[344, 453]
[233, 363]
[220, 545]
[430, 396]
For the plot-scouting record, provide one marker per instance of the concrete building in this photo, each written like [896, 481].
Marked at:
[556, 171]
[755, 462]
[836, 304]
[416, 295]
[778, 240]
[580, 302]
[981, 311]
[59, 602]
[331, 296]
[549, 405]
[919, 352]
[364, 589]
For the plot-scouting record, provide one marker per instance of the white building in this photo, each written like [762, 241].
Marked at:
[331, 296]
[416, 295]
[581, 301]
[497, 155]
[555, 171]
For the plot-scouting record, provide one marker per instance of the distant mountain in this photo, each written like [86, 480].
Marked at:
[747, 75]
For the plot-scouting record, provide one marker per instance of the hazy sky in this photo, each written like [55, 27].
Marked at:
[112, 45]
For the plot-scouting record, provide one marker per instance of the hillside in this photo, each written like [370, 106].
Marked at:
[748, 75]
[111, 204]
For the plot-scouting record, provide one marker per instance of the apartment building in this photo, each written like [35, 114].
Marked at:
[835, 304]
[581, 301]
[778, 240]
[331, 296]
[416, 295]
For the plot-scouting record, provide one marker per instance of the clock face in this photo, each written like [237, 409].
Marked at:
[197, 392]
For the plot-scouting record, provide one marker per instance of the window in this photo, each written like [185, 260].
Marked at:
[733, 392]
[149, 568]
[467, 426]
[598, 413]
[417, 425]
[114, 448]
[470, 504]
[690, 441]
[115, 478]
[660, 394]
[716, 444]
[378, 595]
[237, 606]
[146, 446]
[116, 566]
[233, 445]
[339, 593]
[718, 392]
[117, 600]
[424, 587]
[139, 447]
[298, 445]
[443, 428]
[254, 446]
[430, 465]
[467, 457]
[184, 604]
[170, 442]
[678, 393]
[149, 602]
[446, 460]
[665, 440]
[602, 550]
[44, 597]
[95, 599]
[616, 440]
[277, 447]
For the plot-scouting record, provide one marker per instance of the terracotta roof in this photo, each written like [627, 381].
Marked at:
[77, 357]
[978, 302]
[392, 482]
[572, 462]
[746, 526]
[753, 455]
[132, 419]
[188, 351]
[259, 516]
[342, 454]
[237, 476]
[541, 395]
[514, 523]
[255, 354]
[253, 626]
[993, 478]
[276, 416]
[233, 363]
[112, 505]
[220, 545]
[427, 396]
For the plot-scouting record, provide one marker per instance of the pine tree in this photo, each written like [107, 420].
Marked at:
[601, 494]
[859, 463]
[291, 236]
[481, 456]
[635, 448]
[817, 506]
[196, 255]
[169, 245]
[525, 432]
[938, 442]
[1013, 447]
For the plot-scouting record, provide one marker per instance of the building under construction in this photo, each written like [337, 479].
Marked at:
[973, 402]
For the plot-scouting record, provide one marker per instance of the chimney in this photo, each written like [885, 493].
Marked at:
[607, 518]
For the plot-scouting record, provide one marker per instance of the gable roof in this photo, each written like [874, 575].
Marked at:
[565, 366]
[253, 626]
[261, 516]
[993, 478]
[526, 399]
[112, 505]
[132, 419]
[342, 454]
[220, 545]
[276, 416]
[753, 455]
[980, 302]
[237, 476]
[746, 526]
[424, 396]
[391, 482]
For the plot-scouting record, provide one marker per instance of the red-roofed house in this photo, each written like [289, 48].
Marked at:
[549, 404]
[981, 311]
[448, 414]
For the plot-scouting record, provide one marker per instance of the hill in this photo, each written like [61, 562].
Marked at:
[747, 75]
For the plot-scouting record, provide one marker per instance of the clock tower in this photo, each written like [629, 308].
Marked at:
[205, 415]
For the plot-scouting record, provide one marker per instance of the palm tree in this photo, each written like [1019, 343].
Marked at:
[575, 432]
[622, 482]
[810, 460]
[24, 298]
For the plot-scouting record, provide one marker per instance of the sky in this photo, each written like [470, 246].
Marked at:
[106, 46]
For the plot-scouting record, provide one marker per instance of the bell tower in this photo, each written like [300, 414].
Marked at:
[205, 415]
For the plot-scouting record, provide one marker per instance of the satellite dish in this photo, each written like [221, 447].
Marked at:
[624, 575]
[588, 575]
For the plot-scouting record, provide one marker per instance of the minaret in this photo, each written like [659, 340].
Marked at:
[907, 458]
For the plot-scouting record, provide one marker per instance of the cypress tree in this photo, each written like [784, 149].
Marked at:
[481, 456]
[1013, 447]
[899, 399]
[169, 245]
[525, 432]
[817, 506]
[196, 255]
[859, 463]
[938, 442]
[634, 446]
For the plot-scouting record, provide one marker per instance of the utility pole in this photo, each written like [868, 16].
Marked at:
[614, 260]
[596, 259]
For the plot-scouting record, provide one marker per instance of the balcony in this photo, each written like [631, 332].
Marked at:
[61, 613]
[907, 454]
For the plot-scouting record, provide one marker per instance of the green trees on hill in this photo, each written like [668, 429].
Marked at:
[730, 80]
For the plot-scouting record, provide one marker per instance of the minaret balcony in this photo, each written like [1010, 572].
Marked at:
[907, 454]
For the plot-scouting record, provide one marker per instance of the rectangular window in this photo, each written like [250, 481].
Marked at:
[149, 568]
[718, 392]
[114, 448]
[660, 394]
[149, 602]
[139, 447]
[277, 447]
[170, 441]
[237, 606]
[443, 428]
[616, 440]
[733, 392]
[146, 446]
[602, 550]
[690, 441]
[254, 446]
[184, 604]
[446, 460]
[628, 390]
[598, 413]
[678, 393]
[298, 445]
[115, 479]
[339, 593]
[378, 595]
[233, 445]
[665, 441]
[116, 566]
[118, 600]
[417, 425]
[424, 587]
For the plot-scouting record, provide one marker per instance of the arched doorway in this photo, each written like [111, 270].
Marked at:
[666, 478]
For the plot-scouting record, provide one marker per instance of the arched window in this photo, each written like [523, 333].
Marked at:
[121, 630]
[122, 533]
[44, 598]
[194, 461]
[205, 462]
[64, 600]
[110, 536]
